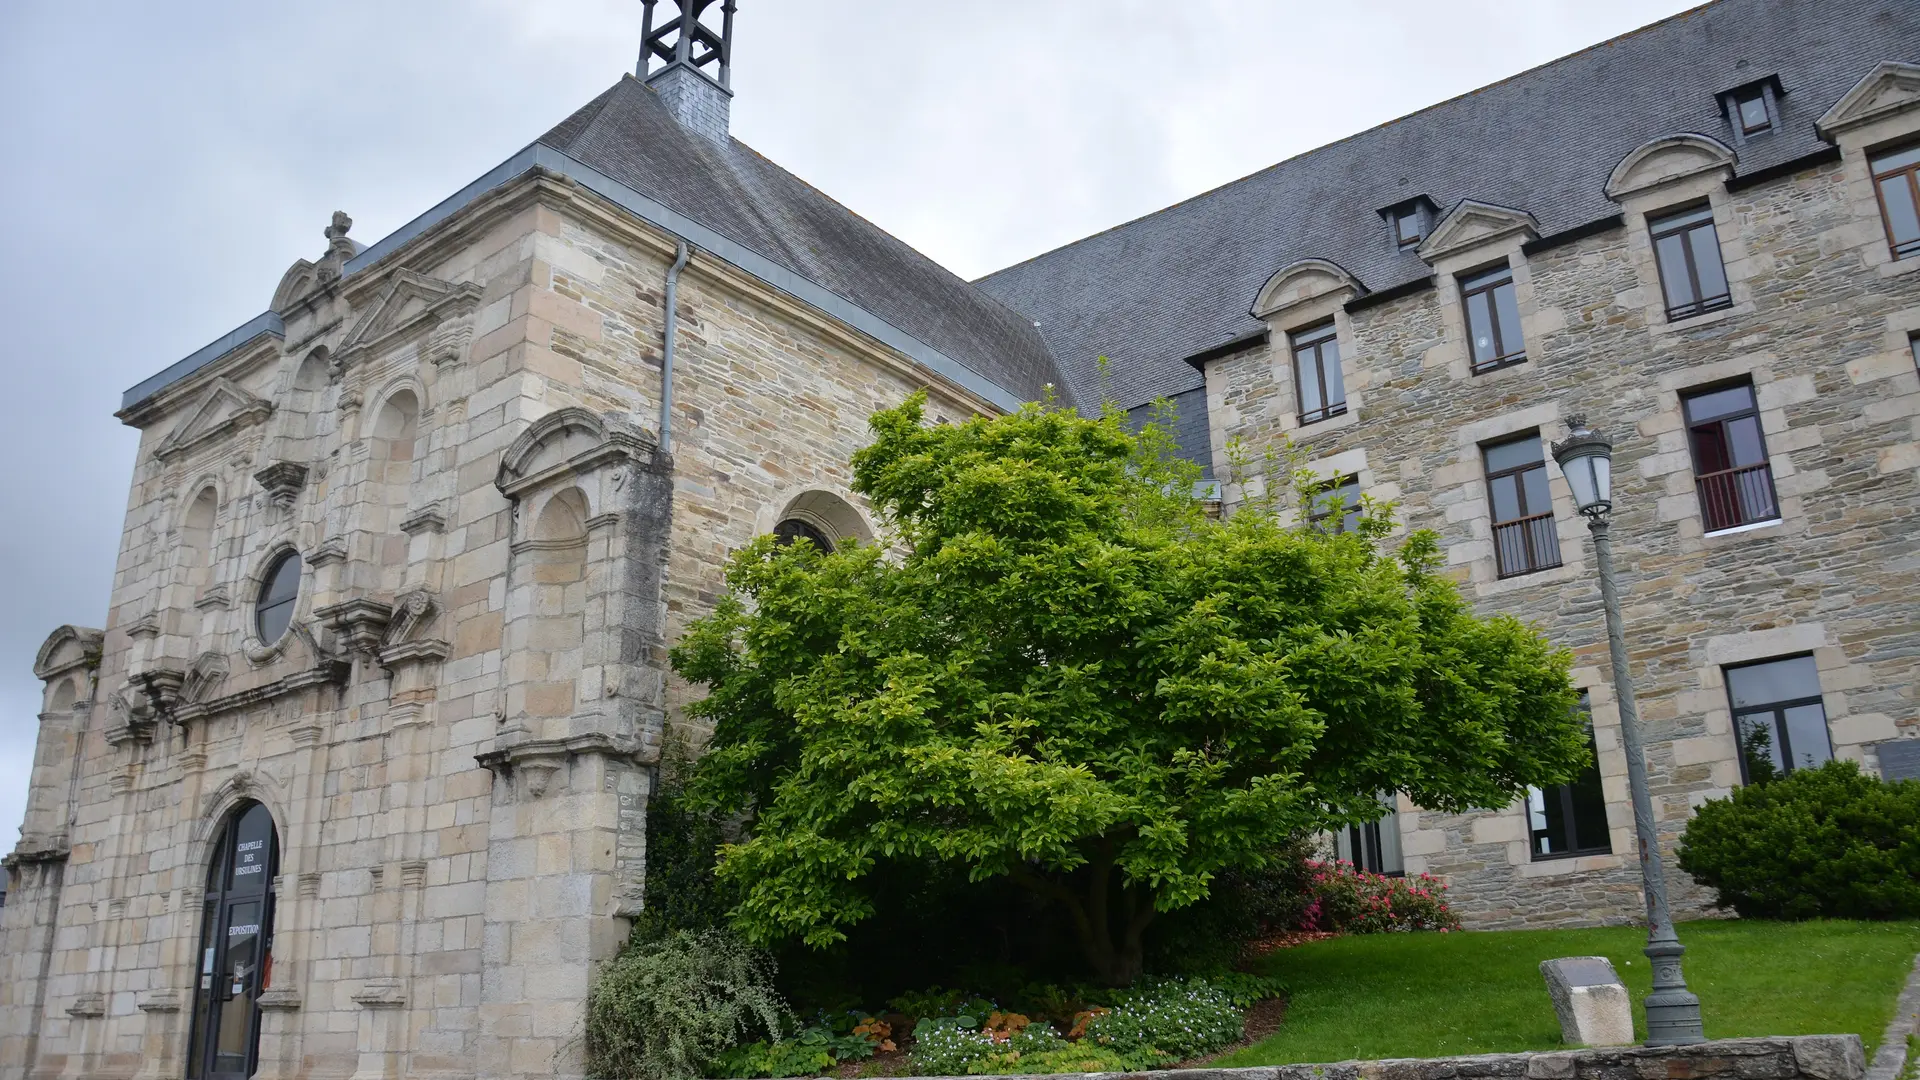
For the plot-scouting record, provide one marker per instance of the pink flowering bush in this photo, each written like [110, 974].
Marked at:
[1344, 898]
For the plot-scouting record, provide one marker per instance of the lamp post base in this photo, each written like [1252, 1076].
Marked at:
[1673, 1012]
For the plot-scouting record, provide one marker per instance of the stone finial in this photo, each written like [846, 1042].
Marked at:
[339, 248]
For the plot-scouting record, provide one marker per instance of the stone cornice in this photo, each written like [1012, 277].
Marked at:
[330, 671]
[38, 849]
[260, 349]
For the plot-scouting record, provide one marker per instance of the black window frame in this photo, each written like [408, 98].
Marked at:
[1529, 522]
[1566, 796]
[1682, 222]
[1489, 280]
[1312, 342]
[1913, 346]
[1325, 497]
[788, 530]
[1735, 486]
[1877, 177]
[1368, 844]
[1777, 712]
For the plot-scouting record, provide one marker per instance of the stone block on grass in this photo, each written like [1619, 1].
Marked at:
[1590, 999]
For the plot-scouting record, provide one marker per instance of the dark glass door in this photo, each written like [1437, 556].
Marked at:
[236, 941]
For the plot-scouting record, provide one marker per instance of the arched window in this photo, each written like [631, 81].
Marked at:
[394, 431]
[196, 540]
[312, 373]
[279, 590]
[558, 629]
[236, 946]
[793, 529]
[63, 697]
[825, 519]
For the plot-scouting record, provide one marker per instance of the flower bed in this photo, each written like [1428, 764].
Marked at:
[1350, 900]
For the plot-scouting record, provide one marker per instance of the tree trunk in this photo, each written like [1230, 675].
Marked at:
[1112, 942]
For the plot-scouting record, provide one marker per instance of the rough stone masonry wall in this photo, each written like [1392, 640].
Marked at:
[433, 917]
[1800, 1057]
[770, 403]
[1821, 330]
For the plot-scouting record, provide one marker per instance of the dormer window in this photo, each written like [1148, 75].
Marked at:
[1753, 109]
[1409, 222]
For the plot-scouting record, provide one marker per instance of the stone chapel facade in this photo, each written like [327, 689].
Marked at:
[353, 781]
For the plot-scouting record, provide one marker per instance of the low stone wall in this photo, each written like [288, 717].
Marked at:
[1799, 1057]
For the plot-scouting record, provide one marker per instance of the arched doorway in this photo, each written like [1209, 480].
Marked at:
[236, 947]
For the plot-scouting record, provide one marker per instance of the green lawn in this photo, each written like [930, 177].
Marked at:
[1433, 995]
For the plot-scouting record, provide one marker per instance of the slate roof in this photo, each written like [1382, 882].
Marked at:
[629, 135]
[1149, 293]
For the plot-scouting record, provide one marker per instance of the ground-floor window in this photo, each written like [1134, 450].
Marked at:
[1778, 717]
[1571, 818]
[1374, 846]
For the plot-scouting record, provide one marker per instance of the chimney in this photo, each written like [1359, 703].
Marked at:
[694, 63]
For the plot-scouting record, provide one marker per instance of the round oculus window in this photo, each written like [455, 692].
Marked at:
[793, 529]
[273, 608]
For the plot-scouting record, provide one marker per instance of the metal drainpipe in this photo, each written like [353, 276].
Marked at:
[680, 256]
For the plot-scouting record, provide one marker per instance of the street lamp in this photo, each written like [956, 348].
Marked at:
[1673, 1012]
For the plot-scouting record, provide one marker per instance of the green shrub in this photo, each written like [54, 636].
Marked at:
[665, 1009]
[788, 1057]
[956, 1046]
[1829, 842]
[1167, 1022]
[1071, 1058]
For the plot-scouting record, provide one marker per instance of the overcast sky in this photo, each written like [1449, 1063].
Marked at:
[161, 165]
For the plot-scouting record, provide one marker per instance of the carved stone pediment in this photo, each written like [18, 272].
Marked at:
[1302, 282]
[1473, 224]
[566, 443]
[223, 408]
[412, 303]
[67, 648]
[414, 614]
[300, 280]
[204, 677]
[1890, 88]
[1666, 160]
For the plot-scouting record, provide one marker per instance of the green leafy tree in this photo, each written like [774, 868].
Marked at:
[1067, 674]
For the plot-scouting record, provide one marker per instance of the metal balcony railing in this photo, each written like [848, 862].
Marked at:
[1731, 498]
[1526, 544]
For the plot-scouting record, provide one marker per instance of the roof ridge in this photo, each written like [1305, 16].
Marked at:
[1404, 117]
